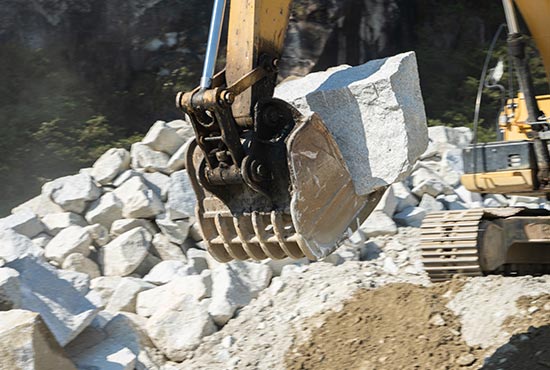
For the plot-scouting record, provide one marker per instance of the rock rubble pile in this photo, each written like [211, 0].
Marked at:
[105, 269]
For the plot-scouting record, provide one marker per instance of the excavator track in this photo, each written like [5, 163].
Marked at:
[449, 244]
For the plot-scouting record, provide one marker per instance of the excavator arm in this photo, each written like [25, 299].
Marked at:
[258, 195]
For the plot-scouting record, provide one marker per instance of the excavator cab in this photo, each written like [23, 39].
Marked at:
[270, 183]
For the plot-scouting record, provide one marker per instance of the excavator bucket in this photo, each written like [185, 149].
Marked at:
[322, 204]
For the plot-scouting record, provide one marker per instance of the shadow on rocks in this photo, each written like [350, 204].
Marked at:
[528, 350]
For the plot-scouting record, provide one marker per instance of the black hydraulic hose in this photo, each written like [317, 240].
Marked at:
[480, 93]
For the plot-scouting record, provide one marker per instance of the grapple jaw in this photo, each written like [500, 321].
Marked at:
[305, 210]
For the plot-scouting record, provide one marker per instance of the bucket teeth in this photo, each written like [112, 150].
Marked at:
[256, 236]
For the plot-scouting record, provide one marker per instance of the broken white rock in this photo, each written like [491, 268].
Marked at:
[460, 137]
[412, 216]
[105, 210]
[430, 204]
[28, 344]
[381, 115]
[163, 138]
[80, 281]
[74, 239]
[159, 183]
[166, 250]
[179, 327]
[72, 193]
[55, 222]
[123, 255]
[41, 240]
[148, 159]
[41, 205]
[110, 165]
[176, 230]
[404, 197]
[235, 284]
[197, 286]
[102, 288]
[10, 289]
[388, 203]
[125, 295]
[378, 223]
[14, 246]
[119, 344]
[80, 263]
[166, 271]
[177, 160]
[121, 226]
[181, 198]
[64, 310]
[99, 234]
[24, 222]
[138, 200]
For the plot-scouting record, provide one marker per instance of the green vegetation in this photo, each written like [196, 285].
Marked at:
[55, 120]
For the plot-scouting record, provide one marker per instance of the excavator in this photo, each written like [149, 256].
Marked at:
[257, 199]
[508, 241]
[258, 195]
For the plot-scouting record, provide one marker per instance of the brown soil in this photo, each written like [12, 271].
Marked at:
[395, 327]
[529, 348]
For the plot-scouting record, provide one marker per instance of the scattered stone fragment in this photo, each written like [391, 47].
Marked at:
[179, 327]
[412, 216]
[159, 183]
[64, 310]
[14, 246]
[163, 138]
[80, 281]
[99, 234]
[72, 193]
[388, 203]
[124, 254]
[80, 263]
[102, 288]
[148, 159]
[105, 210]
[24, 222]
[41, 240]
[121, 226]
[198, 258]
[166, 271]
[177, 160]
[26, 343]
[10, 289]
[166, 250]
[430, 204]
[181, 198]
[378, 223]
[55, 222]
[121, 343]
[197, 286]
[466, 359]
[40, 205]
[138, 200]
[234, 285]
[175, 230]
[74, 239]
[125, 295]
[110, 165]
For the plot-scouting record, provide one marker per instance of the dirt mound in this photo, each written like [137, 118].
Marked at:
[400, 326]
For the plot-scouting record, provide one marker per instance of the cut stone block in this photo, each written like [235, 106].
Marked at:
[24, 222]
[74, 239]
[110, 165]
[64, 310]
[14, 246]
[123, 255]
[138, 200]
[163, 138]
[380, 124]
[148, 159]
[72, 193]
[55, 222]
[26, 343]
[105, 210]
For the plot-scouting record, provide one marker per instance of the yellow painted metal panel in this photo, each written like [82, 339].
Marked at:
[505, 182]
[256, 27]
[537, 16]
